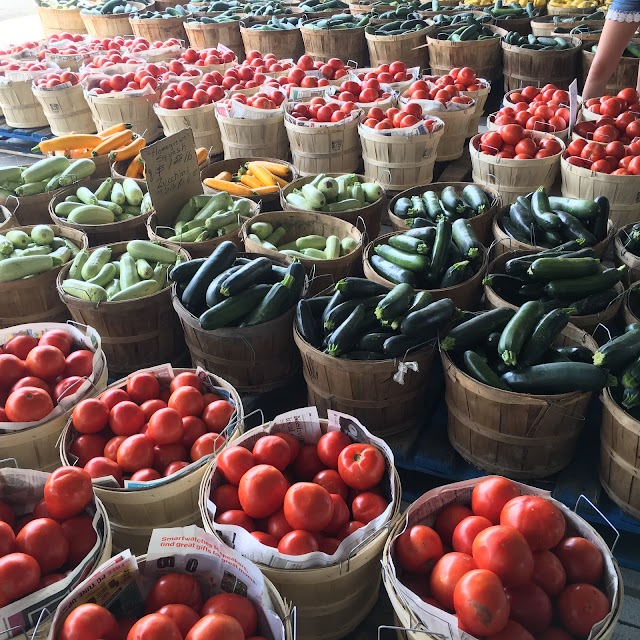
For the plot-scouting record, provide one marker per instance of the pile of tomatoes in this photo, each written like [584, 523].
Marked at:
[261, 100]
[206, 57]
[35, 374]
[65, 37]
[37, 549]
[138, 44]
[175, 610]
[319, 110]
[613, 158]
[626, 100]
[74, 45]
[409, 116]
[513, 142]
[52, 80]
[514, 572]
[142, 432]
[186, 95]
[104, 60]
[444, 94]
[625, 128]
[463, 79]
[332, 69]
[366, 92]
[386, 73]
[242, 77]
[300, 498]
[22, 65]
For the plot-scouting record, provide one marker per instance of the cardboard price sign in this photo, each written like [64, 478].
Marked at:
[172, 174]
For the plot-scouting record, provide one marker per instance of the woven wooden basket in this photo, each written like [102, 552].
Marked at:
[523, 67]
[201, 120]
[135, 333]
[569, 11]
[466, 295]
[406, 47]
[355, 8]
[20, 107]
[243, 138]
[456, 126]
[371, 214]
[625, 74]
[622, 256]
[66, 110]
[99, 234]
[329, 149]
[485, 56]
[56, 21]
[108, 110]
[481, 224]
[7, 219]
[623, 192]
[207, 36]
[515, 434]
[545, 25]
[628, 314]
[587, 323]
[399, 162]
[480, 97]
[35, 299]
[323, 44]
[283, 43]
[513, 178]
[110, 26]
[159, 29]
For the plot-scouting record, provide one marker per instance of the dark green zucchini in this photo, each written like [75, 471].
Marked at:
[543, 336]
[307, 324]
[273, 305]
[464, 237]
[360, 288]
[474, 332]
[479, 370]
[573, 229]
[337, 298]
[581, 209]
[454, 275]
[619, 352]
[339, 314]
[476, 199]
[398, 346]
[213, 295]
[558, 377]
[410, 261]
[345, 337]
[492, 342]
[418, 223]
[409, 244]
[517, 332]
[233, 308]
[574, 288]
[428, 322]
[392, 272]
[594, 303]
[401, 207]
[440, 251]
[503, 283]
[451, 201]
[561, 268]
[245, 276]
[601, 223]
[426, 234]
[183, 272]
[422, 299]
[372, 342]
[396, 302]
[433, 206]
[541, 210]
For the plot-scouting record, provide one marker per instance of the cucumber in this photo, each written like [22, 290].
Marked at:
[615, 354]
[390, 271]
[426, 323]
[345, 337]
[476, 330]
[561, 268]
[307, 325]
[465, 239]
[543, 336]
[233, 308]
[398, 346]
[408, 244]
[412, 262]
[184, 271]
[220, 260]
[440, 251]
[573, 288]
[479, 370]
[558, 377]
[396, 302]
[360, 288]
[517, 332]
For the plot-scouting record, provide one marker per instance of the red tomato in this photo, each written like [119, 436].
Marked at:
[184, 617]
[361, 466]
[206, 445]
[265, 539]
[340, 516]
[79, 363]
[512, 134]
[236, 606]
[11, 370]
[504, 551]
[186, 379]
[332, 482]
[144, 386]
[31, 381]
[581, 559]
[513, 631]
[90, 416]
[554, 633]
[272, 450]
[612, 107]
[277, 525]
[135, 453]
[480, 603]
[490, 495]
[367, 506]
[89, 622]
[576, 146]
[615, 149]
[20, 345]
[418, 549]
[225, 497]
[45, 362]
[262, 490]
[7, 539]
[466, 531]
[308, 506]
[126, 419]
[527, 147]
[593, 151]
[165, 426]
[174, 588]
[348, 529]
[28, 404]
[548, 573]
[216, 415]
[330, 445]
[537, 519]
[551, 145]
[293, 442]
[634, 166]
[44, 540]
[154, 626]
[602, 166]
[57, 338]
[6, 513]
[151, 406]
[81, 536]
[145, 475]
[193, 428]
[307, 463]
[67, 491]
[112, 446]
[165, 454]
[187, 401]
[234, 462]
[445, 575]
[580, 606]
[216, 626]
[112, 397]
[530, 606]
[448, 519]
[491, 142]
[297, 543]
[67, 387]
[101, 467]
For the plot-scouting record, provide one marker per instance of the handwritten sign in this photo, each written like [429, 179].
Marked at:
[172, 174]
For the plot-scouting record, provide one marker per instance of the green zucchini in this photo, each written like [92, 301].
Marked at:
[398, 346]
[476, 198]
[573, 288]
[395, 303]
[517, 332]
[474, 331]
[345, 337]
[184, 271]
[337, 298]
[231, 309]
[595, 303]
[451, 201]
[543, 336]
[392, 272]
[561, 268]
[213, 296]
[455, 274]
[479, 370]
[464, 237]
[573, 229]
[558, 377]
[576, 354]
[413, 262]
[581, 209]
[426, 323]
[408, 244]
[360, 288]
[617, 353]
[373, 342]
[273, 305]
[542, 211]
[307, 324]
[440, 251]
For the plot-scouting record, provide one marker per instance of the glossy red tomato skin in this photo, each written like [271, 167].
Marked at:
[466, 531]
[88, 446]
[238, 518]
[272, 450]
[513, 631]
[445, 575]
[262, 490]
[330, 445]
[418, 549]
[184, 617]
[89, 622]
[307, 463]
[490, 495]
[234, 462]
[308, 506]
[504, 551]
[531, 607]
[236, 606]
[7, 539]
[361, 466]
[538, 520]
[216, 626]
[81, 536]
[225, 497]
[297, 543]
[480, 603]
[579, 607]
[67, 491]
[332, 482]
[142, 387]
[44, 540]
[19, 575]
[367, 506]
[548, 573]
[448, 519]
[174, 588]
[581, 559]
[154, 626]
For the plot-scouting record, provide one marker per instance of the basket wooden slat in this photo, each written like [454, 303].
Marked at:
[135, 333]
[406, 47]
[622, 256]
[56, 21]
[160, 29]
[109, 26]
[207, 36]
[99, 234]
[283, 43]
[513, 178]
[456, 126]
[35, 299]
[7, 219]
[628, 313]
[323, 44]
[201, 120]
[520, 25]
[545, 25]
[371, 214]
[399, 162]
[108, 110]
[523, 67]
[625, 74]
[66, 110]
[480, 97]
[514, 434]
[330, 149]
[481, 224]
[243, 138]
[20, 107]
[485, 56]
[465, 295]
